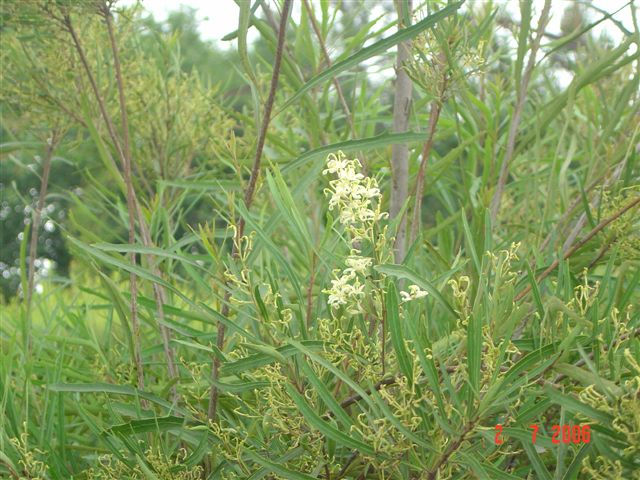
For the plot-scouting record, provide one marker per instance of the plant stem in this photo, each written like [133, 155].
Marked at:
[327, 58]
[453, 446]
[35, 227]
[436, 108]
[517, 114]
[133, 285]
[632, 204]
[158, 290]
[400, 152]
[248, 198]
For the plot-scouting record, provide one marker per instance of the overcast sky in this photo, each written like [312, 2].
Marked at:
[219, 17]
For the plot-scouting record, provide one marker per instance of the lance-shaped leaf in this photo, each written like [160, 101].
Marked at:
[375, 49]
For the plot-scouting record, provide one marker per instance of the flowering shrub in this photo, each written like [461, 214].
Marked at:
[231, 313]
[357, 199]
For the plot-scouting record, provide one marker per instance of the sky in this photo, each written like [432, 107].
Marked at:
[219, 17]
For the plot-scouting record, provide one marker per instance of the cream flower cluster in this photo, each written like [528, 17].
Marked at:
[352, 194]
[346, 287]
[413, 294]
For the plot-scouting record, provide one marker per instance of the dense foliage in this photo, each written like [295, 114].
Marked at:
[346, 251]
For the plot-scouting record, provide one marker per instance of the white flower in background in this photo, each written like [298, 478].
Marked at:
[413, 294]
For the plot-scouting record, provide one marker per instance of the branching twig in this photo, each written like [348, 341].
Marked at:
[436, 109]
[346, 466]
[327, 59]
[617, 341]
[131, 208]
[248, 197]
[453, 446]
[35, 227]
[596, 201]
[517, 113]
[357, 397]
[580, 244]
[158, 290]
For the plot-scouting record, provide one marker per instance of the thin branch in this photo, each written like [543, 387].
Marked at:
[632, 204]
[634, 333]
[617, 23]
[131, 208]
[509, 23]
[346, 466]
[35, 227]
[400, 152]
[255, 172]
[327, 58]
[567, 214]
[453, 446]
[158, 290]
[310, 290]
[596, 201]
[248, 197]
[436, 109]
[517, 114]
[377, 386]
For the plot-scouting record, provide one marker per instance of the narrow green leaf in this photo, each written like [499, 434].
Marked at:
[377, 48]
[116, 390]
[481, 468]
[470, 242]
[576, 464]
[267, 350]
[400, 271]
[375, 396]
[148, 473]
[574, 405]
[362, 144]
[155, 251]
[325, 394]
[558, 44]
[325, 428]
[156, 424]
[273, 249]
[9, 147]
[536, 462]
[286, 205]
[523, 38]
[587, 378]
[118, 262]
[525, 369]
[395, 330]
[258, 360]
[277, 468]
[336, 371]
[240, 387]
[534, 289]
[244, 20]
[474, 356]
[103, 153]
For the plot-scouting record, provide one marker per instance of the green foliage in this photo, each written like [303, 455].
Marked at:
[337, 363]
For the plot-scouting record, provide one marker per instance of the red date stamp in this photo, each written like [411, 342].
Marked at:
[559, 434]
